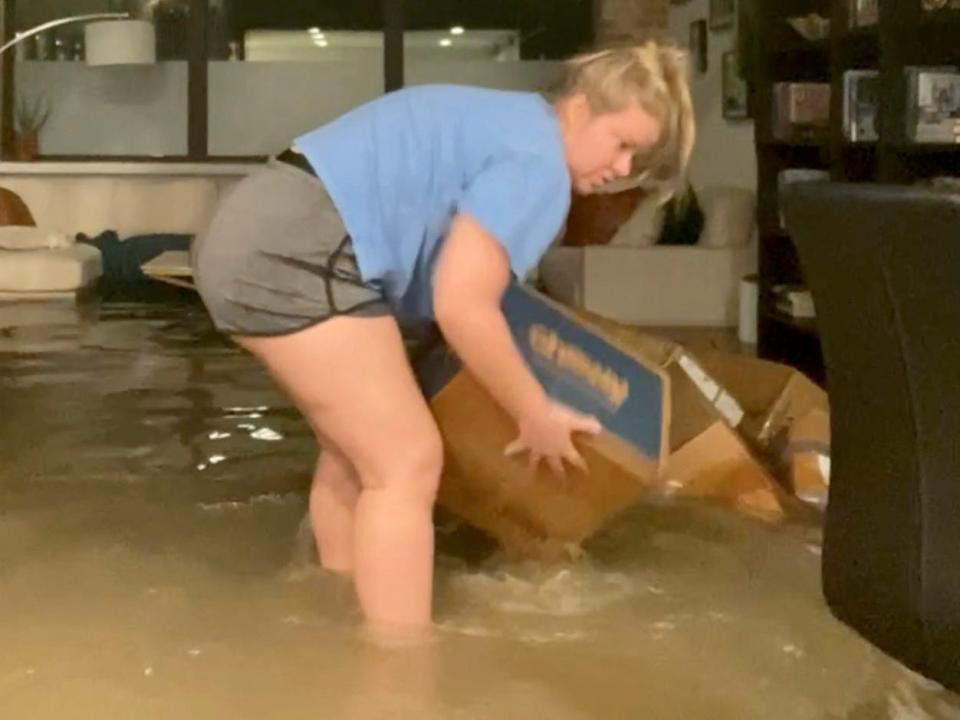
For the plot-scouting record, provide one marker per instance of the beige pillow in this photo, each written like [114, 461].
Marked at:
[642, 228]
[19, 237]
[729, 216]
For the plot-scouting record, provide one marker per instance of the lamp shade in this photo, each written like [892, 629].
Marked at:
[121, 42]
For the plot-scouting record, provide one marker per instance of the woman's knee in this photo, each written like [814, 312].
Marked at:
[336, 474]
[414, 471]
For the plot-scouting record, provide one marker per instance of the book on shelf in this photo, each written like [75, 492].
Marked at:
[932, 6]
[861, 93]
[801, 111]
[863, 13]
[932, 104]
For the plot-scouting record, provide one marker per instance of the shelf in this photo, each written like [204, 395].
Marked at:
[796, 144]
[937, 22]
[906, 36]
[805, 50]
[859, 46]
[867, 33]
[926, 148]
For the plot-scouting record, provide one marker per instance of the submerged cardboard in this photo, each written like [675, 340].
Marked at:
[535, 513]
[773, 397]
[667, 430]
[807, 456]
[717, 465]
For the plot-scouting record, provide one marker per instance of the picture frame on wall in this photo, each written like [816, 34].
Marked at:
[735, 92]
[698, 45]
[723, 14]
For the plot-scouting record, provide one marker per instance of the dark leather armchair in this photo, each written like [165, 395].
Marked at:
[883, 263]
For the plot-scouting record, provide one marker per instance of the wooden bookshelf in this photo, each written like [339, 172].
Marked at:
[904, 35]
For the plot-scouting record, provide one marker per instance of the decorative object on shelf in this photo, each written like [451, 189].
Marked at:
[698, 45]
[946, 183]
[864, 12]
[722, 14]
[736, 98]
[935, 5]
[933, 104]
[810, 27]
[861, 94]
[801, 111]
[31, 116]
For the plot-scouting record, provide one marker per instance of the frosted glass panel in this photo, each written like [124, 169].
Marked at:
[136, 110]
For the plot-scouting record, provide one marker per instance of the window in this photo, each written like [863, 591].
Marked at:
[278, 69]
[135, 110]
[507, 44]
[242, 78]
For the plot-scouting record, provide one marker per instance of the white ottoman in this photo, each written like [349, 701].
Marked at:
[48, 271]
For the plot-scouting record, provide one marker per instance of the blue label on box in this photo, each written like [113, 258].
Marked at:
[575, 367]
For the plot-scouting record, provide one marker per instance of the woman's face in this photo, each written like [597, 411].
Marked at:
[600, 147]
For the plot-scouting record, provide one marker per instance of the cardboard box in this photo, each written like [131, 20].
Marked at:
[773, 397]
[783, 416]
[707, 458]
[717, 465]
[537, 514]
[667, 431]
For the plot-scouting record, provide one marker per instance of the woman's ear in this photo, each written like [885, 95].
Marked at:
[577, 110]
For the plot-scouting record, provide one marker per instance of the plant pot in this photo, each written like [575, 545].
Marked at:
[26, 146]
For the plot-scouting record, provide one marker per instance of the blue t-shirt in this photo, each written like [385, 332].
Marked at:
[400, 167]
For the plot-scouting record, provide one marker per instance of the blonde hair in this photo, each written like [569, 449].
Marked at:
[653, 75]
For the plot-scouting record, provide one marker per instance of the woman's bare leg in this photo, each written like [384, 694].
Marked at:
[351, 379]
[333, 503]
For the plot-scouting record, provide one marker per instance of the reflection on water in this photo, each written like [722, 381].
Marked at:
[152, 483]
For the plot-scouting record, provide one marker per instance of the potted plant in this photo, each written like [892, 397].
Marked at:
[31, 116]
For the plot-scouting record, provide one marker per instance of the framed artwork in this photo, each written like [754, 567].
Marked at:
[698, 45]
[736, 97]
[722, 13]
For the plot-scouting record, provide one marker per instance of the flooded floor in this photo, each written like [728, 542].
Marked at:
[152, 483]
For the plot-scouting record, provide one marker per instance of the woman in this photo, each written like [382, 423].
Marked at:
[423, 204]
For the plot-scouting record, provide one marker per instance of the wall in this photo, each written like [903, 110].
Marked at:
[724, 153]
[255, 108]
[629, 21]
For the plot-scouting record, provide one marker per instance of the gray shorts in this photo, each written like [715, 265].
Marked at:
[276, 257]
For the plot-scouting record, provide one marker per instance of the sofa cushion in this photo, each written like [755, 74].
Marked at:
[46, 271]
[23, 237]
[595, 219]
[643, 227]
[729, 216]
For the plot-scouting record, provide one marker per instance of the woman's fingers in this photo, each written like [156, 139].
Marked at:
[515, 448]
[575, 459]
[586, 424]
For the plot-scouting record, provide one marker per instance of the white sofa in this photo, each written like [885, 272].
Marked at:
[92, 203]
[635, 281]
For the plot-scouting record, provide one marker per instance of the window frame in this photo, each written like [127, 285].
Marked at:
[392, 22]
